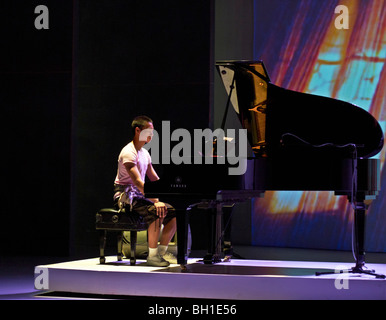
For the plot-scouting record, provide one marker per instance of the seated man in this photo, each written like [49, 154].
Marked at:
[134, 164]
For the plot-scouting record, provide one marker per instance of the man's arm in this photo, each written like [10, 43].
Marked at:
[160, 206]
[135, 176]
[151, 174]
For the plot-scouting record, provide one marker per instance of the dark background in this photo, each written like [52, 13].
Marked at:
[69, 95]
[36, 109]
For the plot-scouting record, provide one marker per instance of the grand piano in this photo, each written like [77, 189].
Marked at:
[298, 141]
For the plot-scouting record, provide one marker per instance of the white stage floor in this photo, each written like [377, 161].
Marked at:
[234, 280]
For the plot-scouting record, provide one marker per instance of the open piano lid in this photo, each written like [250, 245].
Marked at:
[273, 115]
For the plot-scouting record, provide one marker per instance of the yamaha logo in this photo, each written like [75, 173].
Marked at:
[178, 183]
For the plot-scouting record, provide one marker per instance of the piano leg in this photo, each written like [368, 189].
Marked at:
[359, 238]
[227, 241]
[182, 236]
[214, 222]
[359, 241]
[359, 233]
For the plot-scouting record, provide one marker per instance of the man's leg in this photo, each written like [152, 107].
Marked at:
[168, 232]
[153, 232]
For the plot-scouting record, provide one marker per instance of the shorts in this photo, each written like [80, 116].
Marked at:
[145, 208]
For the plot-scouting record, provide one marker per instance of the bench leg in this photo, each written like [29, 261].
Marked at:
[133, 246]
[119, 239]
[102, 244]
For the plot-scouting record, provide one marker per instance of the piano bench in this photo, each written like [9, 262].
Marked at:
[112, 220]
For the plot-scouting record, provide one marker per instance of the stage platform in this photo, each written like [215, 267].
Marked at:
[233, 280]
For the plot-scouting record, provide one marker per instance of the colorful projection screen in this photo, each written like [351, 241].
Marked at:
[329, 48]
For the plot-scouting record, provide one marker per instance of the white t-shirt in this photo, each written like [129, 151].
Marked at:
[141, 159]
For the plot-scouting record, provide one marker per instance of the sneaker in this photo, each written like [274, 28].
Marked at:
[170, 257]
[157, 261]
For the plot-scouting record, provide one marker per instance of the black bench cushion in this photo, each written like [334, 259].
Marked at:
[112, 219]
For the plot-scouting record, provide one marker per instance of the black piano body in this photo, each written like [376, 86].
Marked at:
[299, 142]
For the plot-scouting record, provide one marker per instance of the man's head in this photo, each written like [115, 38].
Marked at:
[142, 127]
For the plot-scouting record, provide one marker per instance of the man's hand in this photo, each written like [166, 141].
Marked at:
[161, 209]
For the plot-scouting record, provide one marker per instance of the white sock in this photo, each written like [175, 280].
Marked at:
[162, 249]
[153, 252]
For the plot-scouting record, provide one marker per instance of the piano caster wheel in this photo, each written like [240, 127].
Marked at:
[184, 268]
[227, 258]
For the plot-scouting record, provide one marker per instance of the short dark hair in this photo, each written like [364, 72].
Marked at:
[140, 122]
